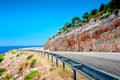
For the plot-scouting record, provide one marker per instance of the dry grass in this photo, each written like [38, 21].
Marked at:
[47, 68]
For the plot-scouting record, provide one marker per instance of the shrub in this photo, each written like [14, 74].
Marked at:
[21, 53]
[26, 63]
[7, 77]
[116, 11]
[33, 62]
[31, 75]
[2, 70]
[105, 15]
[94, 11]
[20, 69]
[52, 68]
[2, 57]
[17, 55]
[30, 56]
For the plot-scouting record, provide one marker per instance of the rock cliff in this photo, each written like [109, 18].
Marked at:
[100, 35]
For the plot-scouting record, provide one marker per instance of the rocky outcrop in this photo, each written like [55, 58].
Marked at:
[102, 35]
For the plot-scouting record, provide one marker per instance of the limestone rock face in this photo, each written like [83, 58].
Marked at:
[103, 35]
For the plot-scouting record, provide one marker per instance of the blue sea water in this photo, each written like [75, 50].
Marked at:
[4, 49]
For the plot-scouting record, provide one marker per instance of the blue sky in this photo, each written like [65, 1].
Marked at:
[32, 22]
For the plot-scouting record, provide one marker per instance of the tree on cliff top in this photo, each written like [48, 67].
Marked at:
[115, 4]
[94, 11]
[86, 16]
[101, 7]
[75, 20]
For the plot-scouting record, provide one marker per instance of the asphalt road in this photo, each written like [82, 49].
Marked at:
[108, 62]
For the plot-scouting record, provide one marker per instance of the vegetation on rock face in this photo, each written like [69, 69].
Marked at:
[8, 77]
[30, 56]
[26, 63]
[21, 53]
[52, 68]
[104, 11]
[2, 70]
[2, 57]
[13, 51]
[20, 69]
[31, 75]
[33, 62]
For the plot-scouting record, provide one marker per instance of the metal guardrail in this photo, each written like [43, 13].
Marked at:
[89, 72]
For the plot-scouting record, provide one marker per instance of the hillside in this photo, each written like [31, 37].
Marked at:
[100, 35]
[98, 31]
[16, 65]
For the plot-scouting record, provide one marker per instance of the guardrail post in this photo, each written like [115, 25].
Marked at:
[74, 74]
[63, 66]
[56, 61]
[52, 58]
[48, 55]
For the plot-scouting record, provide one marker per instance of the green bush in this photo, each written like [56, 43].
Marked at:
[52, 68]
[31, 75]
[7, 77]
[2, 70]
[17, 55]
[2, 57]
[20, 69]
[105, 15]
[26, 63]
[116, 11]
[33, 62]
[30, 56]
[21, 53]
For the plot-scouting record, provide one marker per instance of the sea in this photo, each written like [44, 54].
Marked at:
[4, 49]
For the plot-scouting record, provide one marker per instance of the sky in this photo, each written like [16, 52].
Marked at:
[32, 22]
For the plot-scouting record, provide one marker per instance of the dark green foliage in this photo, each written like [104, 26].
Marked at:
[33, 62]
[75, 20]
[80, 24]
[86, 17]
[107, 8]
[101, 7]
[115, 4]
[68, 25]
[2, 70]
[20, 69]
[94, 11]
[31, 75]
[26, 63]
[116, 11]
[8, 77]
[21, 53]
[30, 56]
[2, 57]
[112, 5]
[17, 55]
